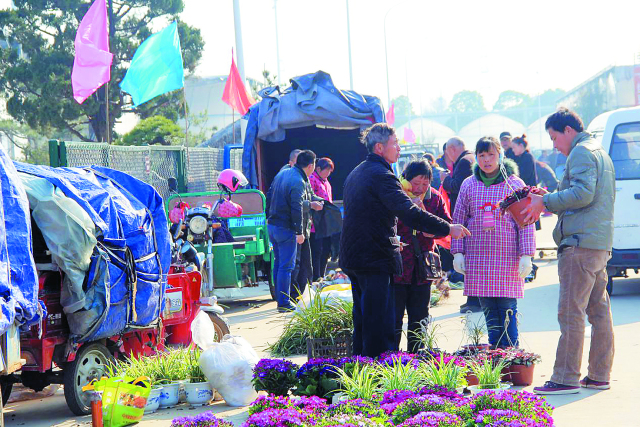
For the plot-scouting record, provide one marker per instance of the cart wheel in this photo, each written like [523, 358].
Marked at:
[90, 363]
[541, 254]
[220, 324]
[610, 285]
[268, 267]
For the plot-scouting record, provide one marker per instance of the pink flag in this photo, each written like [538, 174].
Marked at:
[235, 94]
[92, 63]
[409, 136]
[391, 116]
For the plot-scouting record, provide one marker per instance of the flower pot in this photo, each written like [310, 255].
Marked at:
[170, 395]
[198, 394]
[153, 402]
[471, 379]
[475, 348]
[515, 210]
[521, 375]
[475, 389]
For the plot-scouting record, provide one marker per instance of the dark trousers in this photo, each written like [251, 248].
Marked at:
[303, 271]
[320, 251]
[373, 313]
[415, 299]
[496, 313]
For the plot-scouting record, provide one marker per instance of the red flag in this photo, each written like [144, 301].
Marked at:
[235, 94]
[409, 136]
[391, 116]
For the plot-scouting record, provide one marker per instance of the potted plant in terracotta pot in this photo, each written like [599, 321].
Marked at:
[515, 203]
[521, 366]
[489, 374]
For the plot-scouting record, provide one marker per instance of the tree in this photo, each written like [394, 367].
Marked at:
[256, 86]
[403, 110]
[33, 146]
[466, 101]
[510, 99]
[154, 130]
[38, 87]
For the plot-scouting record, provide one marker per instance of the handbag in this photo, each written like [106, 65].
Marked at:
[428, 263]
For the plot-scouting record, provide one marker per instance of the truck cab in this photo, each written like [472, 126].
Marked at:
[621, 139]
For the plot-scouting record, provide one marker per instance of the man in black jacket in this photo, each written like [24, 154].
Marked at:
[464, 159]
[289, 201]
[369, 246]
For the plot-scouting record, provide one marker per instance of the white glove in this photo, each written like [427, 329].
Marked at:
[524, 268]
[458, 264]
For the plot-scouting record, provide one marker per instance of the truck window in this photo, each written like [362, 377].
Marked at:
[625, 151]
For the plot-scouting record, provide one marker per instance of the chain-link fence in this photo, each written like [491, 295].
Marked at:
[196, 169]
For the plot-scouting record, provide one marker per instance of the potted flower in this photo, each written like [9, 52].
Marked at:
[475, 331]
[521, 366]
[275, 376]
[170, 369]
[489, 374]
[198, 390]
[515, 203]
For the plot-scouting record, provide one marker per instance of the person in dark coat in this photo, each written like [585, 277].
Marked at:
[546, 176]
[505, 141]
[525, 160]
[451, 183]
[288, 222]
[461, 168]
[369, 247]
[411, 293]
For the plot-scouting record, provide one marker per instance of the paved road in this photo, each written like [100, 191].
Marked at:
[257, 321]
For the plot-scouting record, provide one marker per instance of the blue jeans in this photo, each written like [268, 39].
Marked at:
[496, 313]
[284, 251]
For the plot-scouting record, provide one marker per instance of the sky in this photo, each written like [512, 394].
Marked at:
[434, 48]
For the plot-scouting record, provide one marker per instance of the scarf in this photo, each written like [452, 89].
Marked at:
[488, 182]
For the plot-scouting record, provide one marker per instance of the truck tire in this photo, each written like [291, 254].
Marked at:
[220, 324]
[610, 285]
[6, 391]
[90, 363]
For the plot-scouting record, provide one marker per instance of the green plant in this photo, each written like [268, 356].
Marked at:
[428, 335]
[193, 370]
[438, 372]
[399, 376]
[362, 383]
[475, 330]
[321, 318]
[488, 372]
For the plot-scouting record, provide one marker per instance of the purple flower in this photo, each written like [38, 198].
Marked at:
[205, 419]
[279, 418]
[433, 419]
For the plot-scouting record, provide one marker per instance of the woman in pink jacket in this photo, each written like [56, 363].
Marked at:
[497, 255]
[321, 248]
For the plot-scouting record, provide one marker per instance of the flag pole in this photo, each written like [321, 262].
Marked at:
[233, 124]
[186, 118]
[106, 102]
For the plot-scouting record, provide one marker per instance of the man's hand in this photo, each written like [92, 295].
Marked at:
[299, 239]
[443, 175]
[534, 210]
[317, 206]
[539, 190]
[458, 231]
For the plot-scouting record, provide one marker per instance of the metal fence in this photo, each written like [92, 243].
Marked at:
[196, 169]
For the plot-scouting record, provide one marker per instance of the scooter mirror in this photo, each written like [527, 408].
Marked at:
[173, 184]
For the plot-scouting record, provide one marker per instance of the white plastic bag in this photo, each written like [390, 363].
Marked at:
[228, 365]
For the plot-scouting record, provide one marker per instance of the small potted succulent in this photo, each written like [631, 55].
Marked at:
[275, 376]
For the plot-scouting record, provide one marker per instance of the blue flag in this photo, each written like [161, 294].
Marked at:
[156, 67]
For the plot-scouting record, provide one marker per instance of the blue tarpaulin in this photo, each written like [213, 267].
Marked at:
[312, 99]
[126, 280]
[18, 277]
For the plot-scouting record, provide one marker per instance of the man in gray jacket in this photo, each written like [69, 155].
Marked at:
[584, 235]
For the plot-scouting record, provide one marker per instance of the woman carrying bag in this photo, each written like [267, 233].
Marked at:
[420, 265]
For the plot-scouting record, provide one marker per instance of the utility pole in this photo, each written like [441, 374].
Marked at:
[238, 29]
[275, 9]
[349, 44]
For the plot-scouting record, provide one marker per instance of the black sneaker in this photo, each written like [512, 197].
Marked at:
[464, 308]
[285, 309]
[554, 388]
[587, 382]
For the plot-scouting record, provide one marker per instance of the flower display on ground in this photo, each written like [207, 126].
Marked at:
[312, 404]
[206, 419]
[276, 376]
[288, 417]
[433, 419]
[357, 407]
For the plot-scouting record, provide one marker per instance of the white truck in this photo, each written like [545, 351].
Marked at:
[621, 139]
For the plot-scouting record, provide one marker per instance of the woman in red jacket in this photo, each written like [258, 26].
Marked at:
[412, 294]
